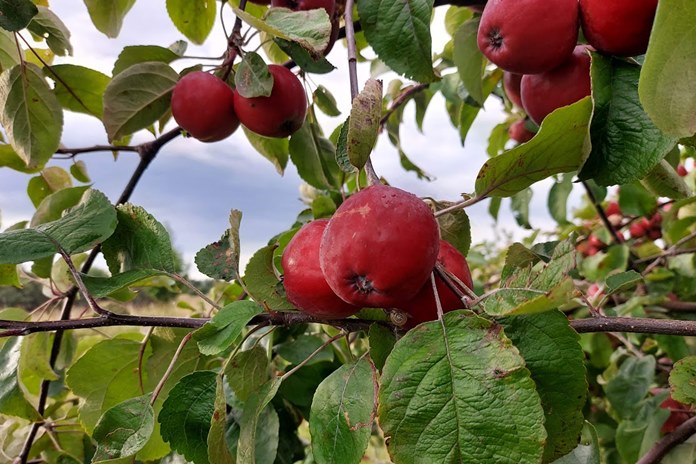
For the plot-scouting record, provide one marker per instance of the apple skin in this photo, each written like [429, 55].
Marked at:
[612, 209]
[379, 247]
[543, 93]
[422, 307]
[519, 133]
[528, 36]
[511, 85]
[305, 285]
[618, 27]
[681, 170]
[203, 105]
[280, 114]
[304, 5]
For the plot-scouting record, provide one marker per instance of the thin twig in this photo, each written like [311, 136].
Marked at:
[170, 368]
[400, 100]
[671, 251]
[314, 353]
[194, 289]
[602, 214]
[669, 442]
[460, 205]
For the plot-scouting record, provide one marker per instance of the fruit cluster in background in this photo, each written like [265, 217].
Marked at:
[378, 250]
[209, 109]
[545, 65]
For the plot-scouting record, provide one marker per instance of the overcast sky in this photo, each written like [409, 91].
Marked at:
[192, 186]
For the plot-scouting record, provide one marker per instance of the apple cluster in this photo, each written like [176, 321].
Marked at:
[378, 250]
[210, 110]
[536, 44]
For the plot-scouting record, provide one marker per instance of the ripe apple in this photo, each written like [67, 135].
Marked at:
[423, 307]
[303, 5]
[612, 208]
[280, 114]
[379, 247]
[305, 285]
[203, 105]
[566, 84]
[639, 228]
[681, 170]
[519, 133]
[618, 27]
[528, 36]
[511, 85]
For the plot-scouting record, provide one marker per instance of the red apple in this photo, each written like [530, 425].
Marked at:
[305, 285]
[423, 307]
[519, 133]
[203, 105]
[543, 93]
[612, 208]
[379, 247]
[278, 115]
[511, 84]
[681, 170]
[678, 414]
[303, 5]
[618, 27]
[639, 228]
[593, 290]
[528, 36]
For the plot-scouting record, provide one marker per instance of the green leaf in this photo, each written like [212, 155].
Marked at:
[80, 229]
[399, 32]
[186, 415]
[10, 159]
[15, 15]
[630, 385]
[664, 181]
[342, 148]
[139, 242]
[342, 413]
[9, 275]
[217, 334]
[52, 206]
[218, 449]
[561, 145]
[555, 359]
[31, 115]
[107, 15]
[682, 380]
[262, 283]
[621, 282]
[667, 79]
[79, 171]
[363, 124]
[455, 16]
[252, 78]
[519, 204]
[34, 358]
[48, 25]
[115, 363]
[587, 452]
[635, 200]
[101, 287]
[598, 267]
[535, 287]
[9, 56]
[194, 18]
[86, 88]
[469, 109]
[626, 145]
[220, 260]
[469, 59]
[455, 228]
[299, 350]
[253, 407]
[124, 429]
[310, 29]
[382, 342]
[449, 386]
[275, 150]
[325, 101]
[247, 372]
[12, 399]
[137, 98]
[558, 199]
[636, 435]
[315, 157]
[134, 54]
[52, 179]
[308, 62]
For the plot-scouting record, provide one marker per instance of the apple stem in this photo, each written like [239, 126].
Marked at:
[372, 177]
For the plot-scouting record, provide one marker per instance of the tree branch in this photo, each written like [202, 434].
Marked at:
[635, 325]
[669, 441]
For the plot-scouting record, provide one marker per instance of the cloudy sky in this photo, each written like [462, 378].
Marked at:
[192, 186]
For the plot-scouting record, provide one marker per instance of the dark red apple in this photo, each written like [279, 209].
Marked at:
[379, 247]
[305, 285]
[278, 115]
[639, 228]
[681, 170]
[528, 36]
[543, 93]
[519, 133]
[423, 307]
[612, 208]
[511, 84]
[203, 105]
[618, 27]
[303, 5]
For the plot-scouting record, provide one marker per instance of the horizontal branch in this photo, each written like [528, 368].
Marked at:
[635, 325]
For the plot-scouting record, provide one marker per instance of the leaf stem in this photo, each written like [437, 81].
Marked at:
[170, 368]
[314, 353]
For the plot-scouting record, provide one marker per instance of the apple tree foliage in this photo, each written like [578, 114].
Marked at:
[241, 376]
